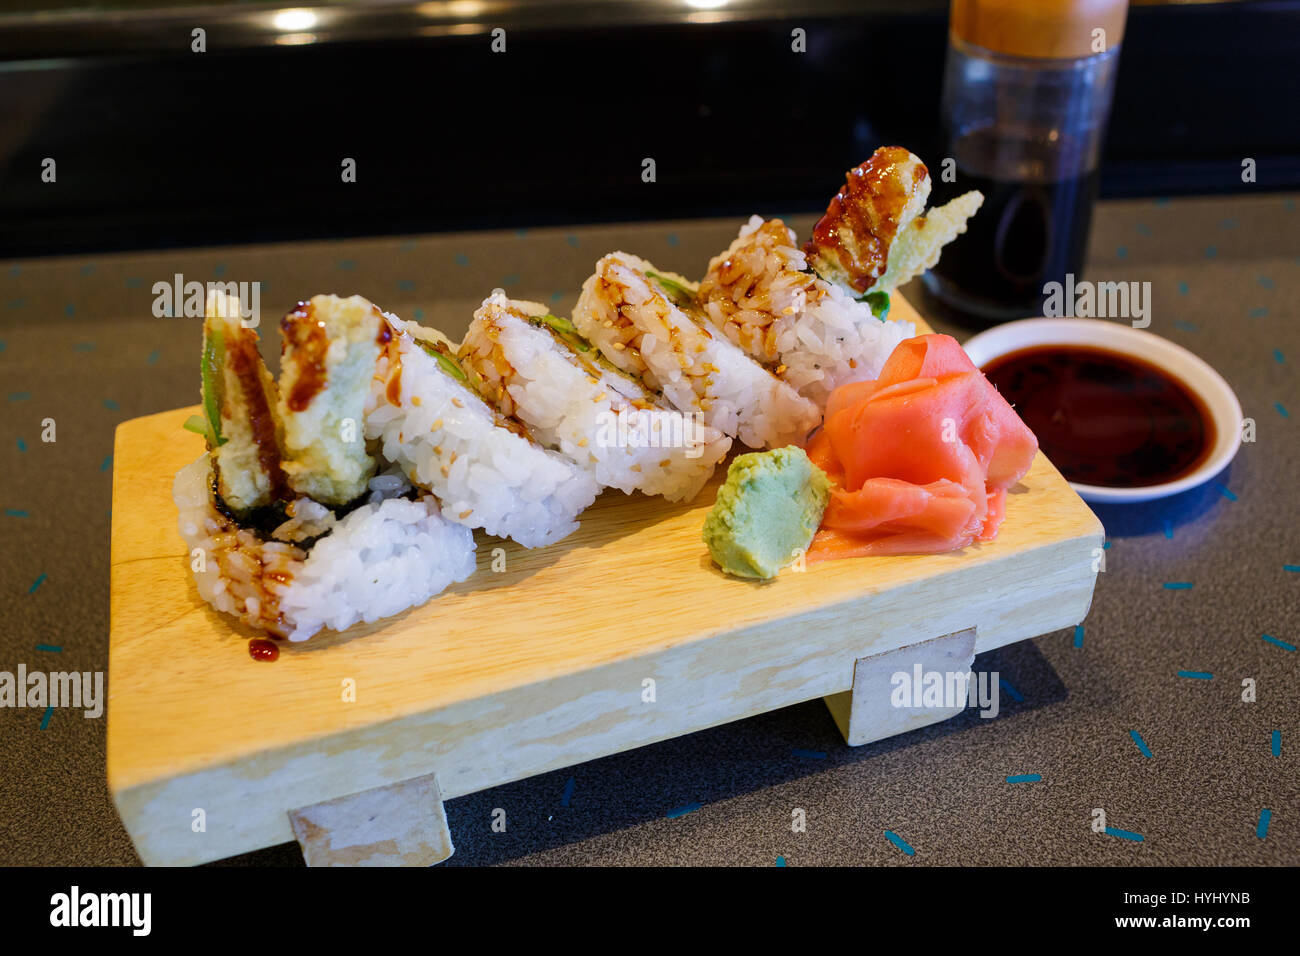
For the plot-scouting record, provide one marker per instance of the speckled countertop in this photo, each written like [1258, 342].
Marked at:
[1221, 785]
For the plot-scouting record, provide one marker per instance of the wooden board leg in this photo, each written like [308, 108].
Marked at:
[867, 713]
[402, 824]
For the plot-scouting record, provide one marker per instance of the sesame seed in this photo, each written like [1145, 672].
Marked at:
[665, 463]
[446, 472]
[415, 400]
[437, 425]
[583, 443]
[466, 513]
[619, 346]
[455, 401]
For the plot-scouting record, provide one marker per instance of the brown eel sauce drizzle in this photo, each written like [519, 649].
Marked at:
[306, 335]
[245, 363]
[261, 649]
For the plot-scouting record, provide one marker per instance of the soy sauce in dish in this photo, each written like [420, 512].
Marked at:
[1105, 418]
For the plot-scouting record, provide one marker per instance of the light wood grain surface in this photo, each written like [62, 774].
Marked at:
[620, 635]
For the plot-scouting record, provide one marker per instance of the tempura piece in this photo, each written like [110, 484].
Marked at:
[329, 350]
[239, 418]
[873, 237]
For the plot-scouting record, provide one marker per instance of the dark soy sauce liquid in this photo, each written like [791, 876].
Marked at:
[1032, 228]
[1104, 418]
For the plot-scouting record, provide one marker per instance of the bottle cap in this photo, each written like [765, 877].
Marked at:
[1059, 29]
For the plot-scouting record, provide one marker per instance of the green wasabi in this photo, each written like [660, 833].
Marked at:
[766, 512]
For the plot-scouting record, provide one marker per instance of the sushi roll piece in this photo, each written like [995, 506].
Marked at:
[318, 570]
[535, 367]
[426, 412]
[808, 332]
[646, 322]
[874, 236]
[263, 551]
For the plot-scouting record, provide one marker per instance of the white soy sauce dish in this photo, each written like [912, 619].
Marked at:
[1218, 406]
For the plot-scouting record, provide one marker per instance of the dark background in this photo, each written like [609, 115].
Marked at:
[158, 146]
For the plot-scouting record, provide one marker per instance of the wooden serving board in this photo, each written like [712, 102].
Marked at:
[621, 635]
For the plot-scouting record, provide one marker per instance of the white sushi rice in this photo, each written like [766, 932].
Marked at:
[638, 328]
[448, 441]
[389, 554]
[603, 421]
[811, 333]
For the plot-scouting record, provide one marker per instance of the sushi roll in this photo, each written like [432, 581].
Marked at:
[536, 367]
[646, 323]
[263, 551]
[317, 570]
[875, 234]
[808, 332]
[426, 413]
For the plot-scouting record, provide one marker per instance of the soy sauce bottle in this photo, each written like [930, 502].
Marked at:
[1027, 92]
